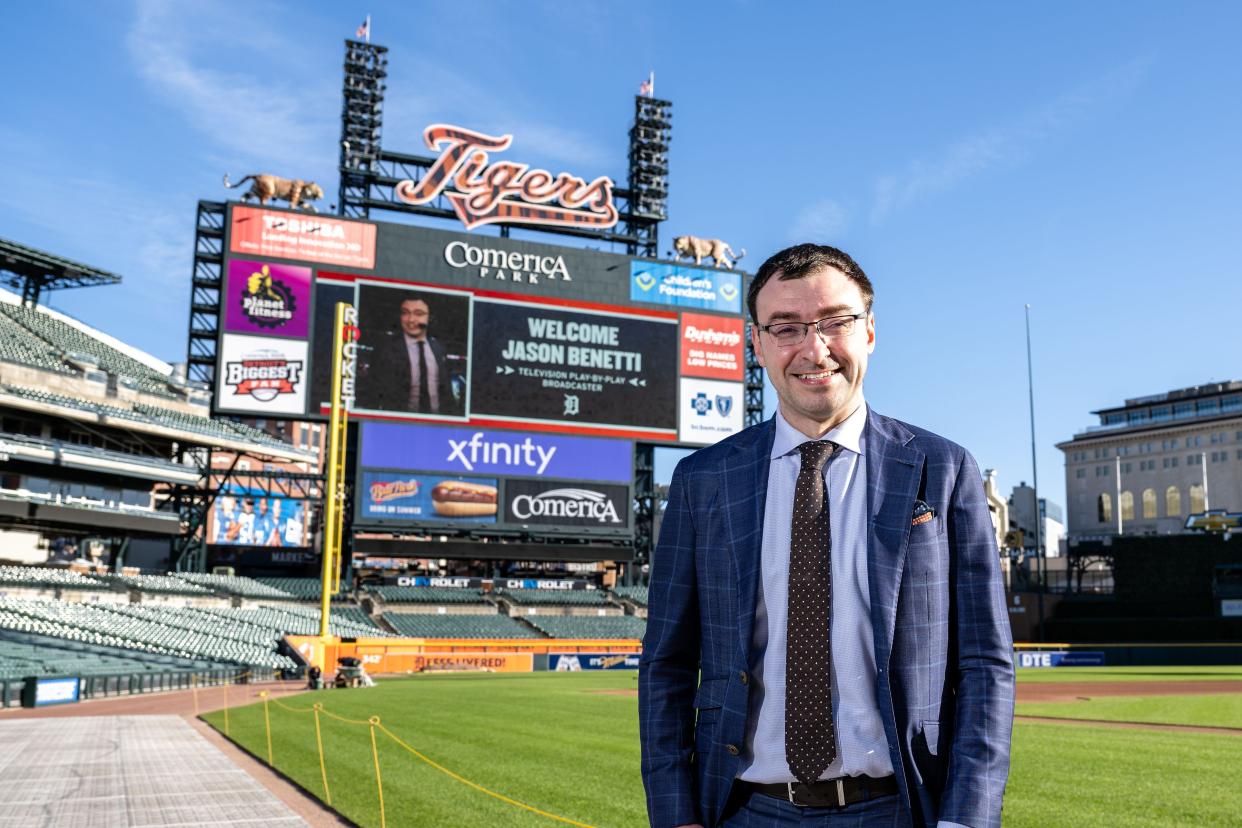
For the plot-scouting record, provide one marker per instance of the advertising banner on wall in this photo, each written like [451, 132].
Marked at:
[686, 287]
[494, 452]
[545, 503]
[541, 363]
[710, 410]
[426, 497]
[712, 346]
[267, 298]
[255, 231]
[261, 375]
[573, 662]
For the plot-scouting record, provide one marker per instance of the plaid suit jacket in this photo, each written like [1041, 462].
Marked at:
[944, 655]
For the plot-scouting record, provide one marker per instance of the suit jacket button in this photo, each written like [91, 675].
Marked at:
[733, 750]
[743, 677]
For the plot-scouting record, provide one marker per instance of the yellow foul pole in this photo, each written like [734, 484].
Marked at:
[344, 358]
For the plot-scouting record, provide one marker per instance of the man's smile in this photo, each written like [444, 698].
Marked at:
[822, 376]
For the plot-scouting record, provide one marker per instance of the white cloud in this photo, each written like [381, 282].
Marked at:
[1002, 144]
[282, 123]
[821, 222]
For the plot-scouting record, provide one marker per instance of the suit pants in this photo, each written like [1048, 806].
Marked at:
[756, 810]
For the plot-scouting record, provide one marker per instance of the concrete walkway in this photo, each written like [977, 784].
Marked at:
[139, 771]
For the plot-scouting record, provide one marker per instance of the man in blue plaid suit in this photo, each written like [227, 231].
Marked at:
[920, 652]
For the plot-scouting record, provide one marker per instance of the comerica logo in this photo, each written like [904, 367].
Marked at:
[566, 503]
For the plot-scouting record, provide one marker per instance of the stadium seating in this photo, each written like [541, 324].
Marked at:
[17, 344]
[427, 595]
[304, 589]
[637, 594]
[42, 656]
[584, 626]
[69, 340]
[293, 619]
[160, 584]
[422, 625]
[563, 597]
[354, 615]
[40, 577]
[233, 585]
[152, 415]
[178, 631]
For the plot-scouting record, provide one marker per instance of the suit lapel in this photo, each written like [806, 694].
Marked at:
[746, 470]
[893, 469]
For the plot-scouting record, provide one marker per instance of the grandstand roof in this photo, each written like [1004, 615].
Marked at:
[32, 271]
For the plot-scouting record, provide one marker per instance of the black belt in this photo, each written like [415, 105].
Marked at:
[829, 793]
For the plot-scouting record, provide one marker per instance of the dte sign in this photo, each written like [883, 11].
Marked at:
[1061, 658]
[1036, 659]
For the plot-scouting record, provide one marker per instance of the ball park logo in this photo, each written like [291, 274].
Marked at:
[264, 375]
[267, 302]
[504, 191]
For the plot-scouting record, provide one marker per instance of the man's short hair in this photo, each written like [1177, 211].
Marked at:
[413, 296]
[802, 260]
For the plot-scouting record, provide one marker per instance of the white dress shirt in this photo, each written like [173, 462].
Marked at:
[861, 744]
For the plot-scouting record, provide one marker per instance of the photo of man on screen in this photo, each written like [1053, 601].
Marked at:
[405, 366]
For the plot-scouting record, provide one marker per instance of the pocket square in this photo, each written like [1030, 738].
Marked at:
[922, 513]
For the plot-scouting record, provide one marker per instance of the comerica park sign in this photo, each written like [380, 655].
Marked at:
[485, 192]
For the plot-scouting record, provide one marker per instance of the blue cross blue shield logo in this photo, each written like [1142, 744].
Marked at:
[701, 404]
[724, 404]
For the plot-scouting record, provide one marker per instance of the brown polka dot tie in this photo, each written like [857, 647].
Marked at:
[810, 741]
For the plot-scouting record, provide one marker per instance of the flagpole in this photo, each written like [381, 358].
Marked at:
[1120, 524]
[368, 28]
[1039, 545]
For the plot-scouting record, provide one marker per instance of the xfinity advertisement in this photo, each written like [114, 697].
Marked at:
[415, 476]
[495, 452]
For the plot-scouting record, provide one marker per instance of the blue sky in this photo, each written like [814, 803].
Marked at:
[1083, 158]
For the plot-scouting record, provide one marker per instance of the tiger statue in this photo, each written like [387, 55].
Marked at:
[268, 187]
[700, 249]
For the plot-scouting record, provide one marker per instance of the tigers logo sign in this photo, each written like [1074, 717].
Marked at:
[505, 191]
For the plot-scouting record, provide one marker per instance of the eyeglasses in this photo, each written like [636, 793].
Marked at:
[788, 334]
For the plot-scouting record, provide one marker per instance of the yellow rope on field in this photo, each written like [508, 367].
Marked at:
[479, 787]
[323, 769]
[379, 784]
[373, 723]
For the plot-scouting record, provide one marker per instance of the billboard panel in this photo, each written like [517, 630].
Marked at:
[532, 503]
[434, 476]
[666, 283]
[255, 231]
[497, 452]
[261, 375]
[712, 346]
[267, 298]
[710, 410]
[402, 496]
[540, 363]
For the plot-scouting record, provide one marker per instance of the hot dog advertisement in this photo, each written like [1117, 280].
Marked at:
[417, 497]
[541, 363]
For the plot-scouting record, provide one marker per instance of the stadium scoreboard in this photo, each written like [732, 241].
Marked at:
[500, 382]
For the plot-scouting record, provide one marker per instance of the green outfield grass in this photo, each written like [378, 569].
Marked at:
[568, 744]
[1218, 710]
[1177, 673]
